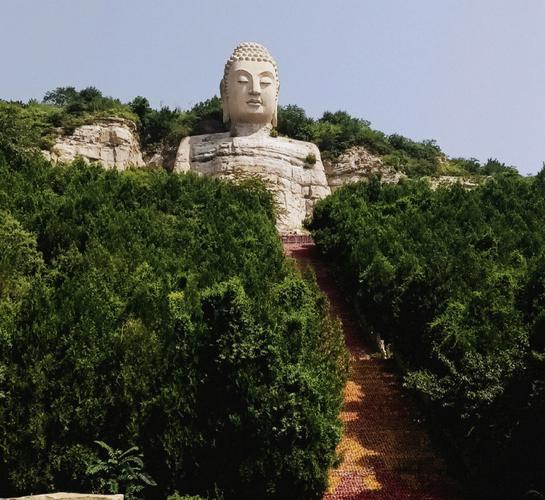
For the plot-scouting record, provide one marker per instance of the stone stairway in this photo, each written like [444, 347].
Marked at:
[385, 454]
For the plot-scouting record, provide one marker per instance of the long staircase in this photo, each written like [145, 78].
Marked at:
[384, 452]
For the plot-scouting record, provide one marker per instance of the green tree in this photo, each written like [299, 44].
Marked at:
[453, 280]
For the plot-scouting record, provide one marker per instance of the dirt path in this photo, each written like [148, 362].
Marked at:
[384, 452]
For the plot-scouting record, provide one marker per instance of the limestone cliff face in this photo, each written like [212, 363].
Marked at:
[113, 142]
[357, 164]
[68, 496]
[291, 169]
[448, 180]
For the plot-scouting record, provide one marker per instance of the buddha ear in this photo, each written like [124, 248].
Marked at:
[274, 120]
[224, 105]
[275, 114]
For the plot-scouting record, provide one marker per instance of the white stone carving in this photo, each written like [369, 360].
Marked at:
[292, 170]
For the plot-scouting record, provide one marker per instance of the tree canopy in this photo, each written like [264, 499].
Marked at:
[155, 314]
[454, 281]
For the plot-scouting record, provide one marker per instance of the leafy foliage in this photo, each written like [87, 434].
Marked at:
[454, 280]
[177, 496]
[121, 471]
[157, 311]
[336, 132]
[167, 126]
[88, 100]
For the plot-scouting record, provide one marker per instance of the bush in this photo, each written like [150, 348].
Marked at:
[120, 471]
[167, 126]
[293, 122]
[310, 159]
[88, 100]
[149, 310]
[472, 166]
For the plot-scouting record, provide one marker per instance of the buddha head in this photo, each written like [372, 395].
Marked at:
[249, 88]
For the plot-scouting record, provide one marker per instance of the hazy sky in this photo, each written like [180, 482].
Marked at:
[468, 73]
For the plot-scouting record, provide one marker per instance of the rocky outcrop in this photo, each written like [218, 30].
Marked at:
[357, 164]
[162, 157]
[448, 180]
[113, 142]
[67, 496]
[292, 170]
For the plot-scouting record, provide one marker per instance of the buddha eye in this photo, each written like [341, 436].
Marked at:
[265, 82]
[243, 79]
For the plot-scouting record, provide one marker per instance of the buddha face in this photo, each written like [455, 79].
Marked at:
[251, 93]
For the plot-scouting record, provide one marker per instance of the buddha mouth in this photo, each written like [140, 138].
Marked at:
[254, 102]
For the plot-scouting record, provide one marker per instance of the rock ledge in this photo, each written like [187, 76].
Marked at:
[67, 496]
[111, 141]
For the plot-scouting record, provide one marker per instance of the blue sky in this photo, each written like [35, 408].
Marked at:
[468, 73]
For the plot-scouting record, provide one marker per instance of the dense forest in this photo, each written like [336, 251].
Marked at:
[154, 340]
[65, 108]
[454, 281]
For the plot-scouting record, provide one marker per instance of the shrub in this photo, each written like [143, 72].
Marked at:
[121, 471]
[293, 122]
[310, 159]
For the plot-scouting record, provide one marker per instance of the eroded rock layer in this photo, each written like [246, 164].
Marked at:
[357, 164]
[68, 496]
[113, 142]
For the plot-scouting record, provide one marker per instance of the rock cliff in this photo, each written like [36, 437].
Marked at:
[357, 164]
[113, 142]
[68, 496]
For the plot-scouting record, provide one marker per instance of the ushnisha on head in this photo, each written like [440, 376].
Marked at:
[249, 89]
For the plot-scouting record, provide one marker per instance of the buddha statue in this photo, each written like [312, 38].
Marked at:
[291, 169]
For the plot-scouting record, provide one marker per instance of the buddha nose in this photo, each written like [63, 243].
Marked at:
[256, 89]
